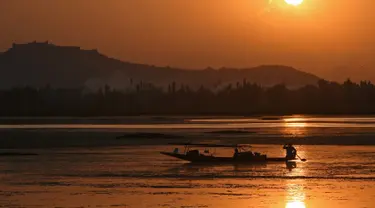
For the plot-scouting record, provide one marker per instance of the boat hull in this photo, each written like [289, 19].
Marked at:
[212, 159]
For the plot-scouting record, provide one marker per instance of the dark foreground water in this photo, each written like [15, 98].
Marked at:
[83, 165]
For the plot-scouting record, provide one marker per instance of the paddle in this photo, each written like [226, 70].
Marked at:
[303, 160]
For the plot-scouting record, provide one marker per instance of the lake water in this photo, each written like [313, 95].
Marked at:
[81, 164]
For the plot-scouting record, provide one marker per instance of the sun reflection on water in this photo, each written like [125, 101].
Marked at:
[295, 204]
[295, 126]
[295, 195]
[295, 129]
[294, 119]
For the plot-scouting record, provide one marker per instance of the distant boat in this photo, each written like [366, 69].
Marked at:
[241, 155]
[12, 154]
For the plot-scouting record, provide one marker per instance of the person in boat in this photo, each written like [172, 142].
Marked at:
[291, 152]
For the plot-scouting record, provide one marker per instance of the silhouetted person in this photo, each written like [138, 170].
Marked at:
[291, 152]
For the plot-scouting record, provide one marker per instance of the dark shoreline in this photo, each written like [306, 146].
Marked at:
[184, 115]
[162, 119]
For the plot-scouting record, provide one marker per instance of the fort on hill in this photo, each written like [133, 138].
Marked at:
[35, 46]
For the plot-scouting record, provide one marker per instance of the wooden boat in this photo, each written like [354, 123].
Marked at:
[242, 155]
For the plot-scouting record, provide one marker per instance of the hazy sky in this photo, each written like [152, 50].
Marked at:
[316, 35]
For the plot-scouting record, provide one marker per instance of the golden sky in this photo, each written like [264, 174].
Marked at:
[316, 35]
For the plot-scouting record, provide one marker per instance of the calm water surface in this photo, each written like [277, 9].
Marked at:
[333, 176]
[138, 176]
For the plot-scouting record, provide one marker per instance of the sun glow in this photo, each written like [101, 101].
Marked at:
[296, 195]
[295, 204]
[295, 126]
[294, 2]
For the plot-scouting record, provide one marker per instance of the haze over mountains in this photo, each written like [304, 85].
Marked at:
[38, 64]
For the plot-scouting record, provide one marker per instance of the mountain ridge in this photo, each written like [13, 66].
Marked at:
[40, 63]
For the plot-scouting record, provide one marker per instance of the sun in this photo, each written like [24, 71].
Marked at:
[294, 2]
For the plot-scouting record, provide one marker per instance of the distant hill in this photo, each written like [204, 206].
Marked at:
[38, 64]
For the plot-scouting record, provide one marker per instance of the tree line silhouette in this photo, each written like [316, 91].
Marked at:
[234, 99]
